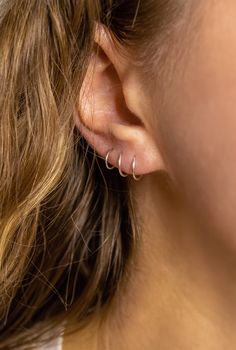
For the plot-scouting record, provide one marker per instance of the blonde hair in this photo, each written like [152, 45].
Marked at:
[67, 225]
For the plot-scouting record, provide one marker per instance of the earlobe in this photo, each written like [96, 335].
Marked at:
[139, 145]
[129, 148]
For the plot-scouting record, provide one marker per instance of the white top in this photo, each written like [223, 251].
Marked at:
[55, 344]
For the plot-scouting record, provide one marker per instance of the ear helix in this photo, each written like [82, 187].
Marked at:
[119, 166]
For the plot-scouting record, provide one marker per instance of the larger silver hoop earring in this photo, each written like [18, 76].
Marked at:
[119, 167]
[106, 160]
[133, 170]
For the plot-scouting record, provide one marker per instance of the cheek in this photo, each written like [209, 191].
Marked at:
[198, 129]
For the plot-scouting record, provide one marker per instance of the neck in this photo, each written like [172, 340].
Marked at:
[181, 294]
[181, 290]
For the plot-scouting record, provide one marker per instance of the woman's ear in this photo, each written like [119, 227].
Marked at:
[109, 112]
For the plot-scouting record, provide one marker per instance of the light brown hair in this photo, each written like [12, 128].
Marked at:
[67, 226]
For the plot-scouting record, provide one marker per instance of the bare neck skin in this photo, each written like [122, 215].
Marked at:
[181, 294]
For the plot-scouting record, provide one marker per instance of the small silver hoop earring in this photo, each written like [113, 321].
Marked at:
[106, 161]
[119, 167]
[133, 170]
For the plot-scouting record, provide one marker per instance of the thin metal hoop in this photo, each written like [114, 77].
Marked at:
[133, 170]
[119, 166]
[106, 160]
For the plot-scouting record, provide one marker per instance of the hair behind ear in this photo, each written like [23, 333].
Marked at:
[66, 233]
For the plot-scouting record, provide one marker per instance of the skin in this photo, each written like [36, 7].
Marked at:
[181, 293]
